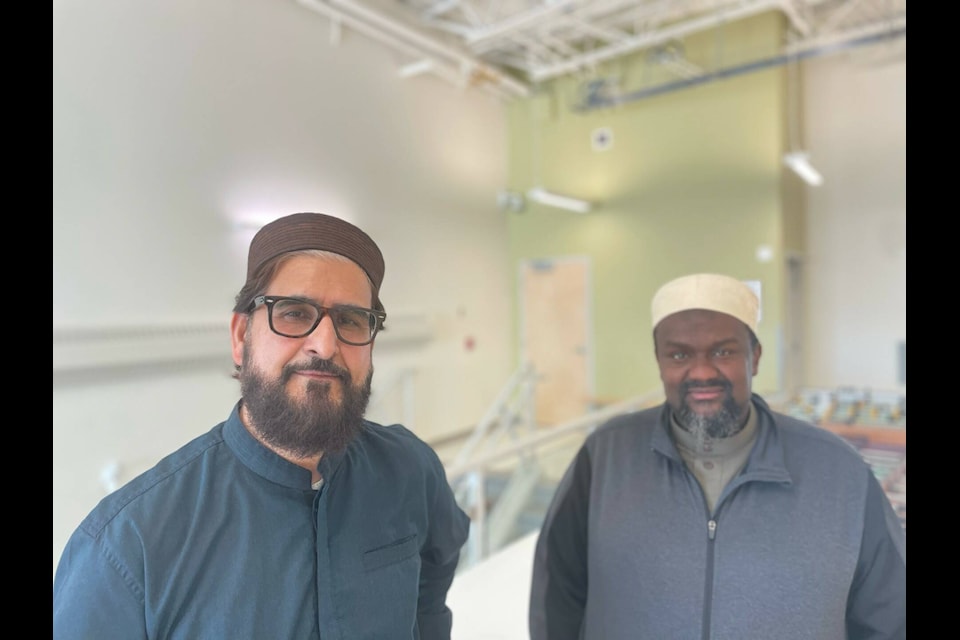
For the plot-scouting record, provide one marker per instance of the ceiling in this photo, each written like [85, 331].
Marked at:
[508, 47]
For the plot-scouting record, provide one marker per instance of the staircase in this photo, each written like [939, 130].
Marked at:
[518, 504]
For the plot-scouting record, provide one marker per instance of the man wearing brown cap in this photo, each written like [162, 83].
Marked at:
[295, 517]
[712, 516]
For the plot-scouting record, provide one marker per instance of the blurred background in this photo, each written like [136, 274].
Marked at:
[532, 171]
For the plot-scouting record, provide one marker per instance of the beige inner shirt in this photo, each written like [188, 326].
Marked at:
[715, 462]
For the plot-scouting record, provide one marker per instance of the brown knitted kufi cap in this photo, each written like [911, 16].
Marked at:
[301, 231]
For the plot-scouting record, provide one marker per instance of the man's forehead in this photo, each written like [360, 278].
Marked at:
[320, 261]
[692, 324]
[306, 274]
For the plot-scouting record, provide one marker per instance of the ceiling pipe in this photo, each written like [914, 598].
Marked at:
[530, 17]
[897, 26]
[445, 71]
[741, 10]
[442, 71]
[546, 18]
[799, 52]
[338, 18]
[425, 43]
[440, 8]
[838, 14]
[800, 24]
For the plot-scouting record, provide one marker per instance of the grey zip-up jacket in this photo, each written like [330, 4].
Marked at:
[802, 544]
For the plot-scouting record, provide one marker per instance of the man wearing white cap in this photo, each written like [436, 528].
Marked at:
[712, 516]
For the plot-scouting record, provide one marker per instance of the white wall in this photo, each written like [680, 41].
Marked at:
[856, 263]
[170, 119]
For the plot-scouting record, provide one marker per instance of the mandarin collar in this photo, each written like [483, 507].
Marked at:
[259, 458]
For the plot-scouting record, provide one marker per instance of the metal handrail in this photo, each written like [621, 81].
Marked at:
[468, 477]
[584, 422]
[496, 411]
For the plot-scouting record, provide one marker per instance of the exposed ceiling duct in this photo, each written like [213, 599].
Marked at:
[507, 47]
[602, 95]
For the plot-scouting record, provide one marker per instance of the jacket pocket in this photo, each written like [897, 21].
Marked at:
[391, 553]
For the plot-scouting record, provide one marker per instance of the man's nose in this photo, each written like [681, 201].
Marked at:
[322, 341]
[702, 368]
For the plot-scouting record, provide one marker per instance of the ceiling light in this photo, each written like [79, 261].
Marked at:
[416, 68]
[538, 194]
[799, 161]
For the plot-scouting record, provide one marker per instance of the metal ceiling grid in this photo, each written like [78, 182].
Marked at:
[509, 46]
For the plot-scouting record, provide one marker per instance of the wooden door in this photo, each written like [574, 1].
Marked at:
[555, 335]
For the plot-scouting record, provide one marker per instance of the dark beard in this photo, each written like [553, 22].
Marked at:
[310, 426]
[724, 423]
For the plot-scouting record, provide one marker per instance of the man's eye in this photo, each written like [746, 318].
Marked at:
[723, 353]
[293, 312]
[678, 356]
[296, 312]
[349, 319]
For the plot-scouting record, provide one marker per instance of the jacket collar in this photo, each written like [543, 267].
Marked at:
[766, 460]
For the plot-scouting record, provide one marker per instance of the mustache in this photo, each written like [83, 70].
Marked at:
[316, 364]
[685, 387]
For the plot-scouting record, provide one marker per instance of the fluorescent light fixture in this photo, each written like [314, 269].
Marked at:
[541, 195]
[799, 161]
[416, 68]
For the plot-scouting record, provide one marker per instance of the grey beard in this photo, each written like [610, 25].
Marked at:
[724, 423]
[313, 425]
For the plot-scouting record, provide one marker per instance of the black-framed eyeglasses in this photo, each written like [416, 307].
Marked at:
[296, 318]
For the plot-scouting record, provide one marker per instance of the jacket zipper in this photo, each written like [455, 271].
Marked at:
[708, 576]
[708, 586]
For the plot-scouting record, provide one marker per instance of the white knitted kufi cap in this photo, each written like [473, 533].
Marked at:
[709, 291]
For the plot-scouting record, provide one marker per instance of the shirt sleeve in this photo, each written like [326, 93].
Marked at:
[877, 604]
[558, 593]
[449, 527]
[93, 596]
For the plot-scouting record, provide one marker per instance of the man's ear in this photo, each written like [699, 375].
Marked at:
[755, 359]
[238, 333]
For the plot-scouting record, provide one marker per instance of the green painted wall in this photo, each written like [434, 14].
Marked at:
[693, 182]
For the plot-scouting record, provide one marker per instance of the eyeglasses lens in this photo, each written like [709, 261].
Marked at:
[295, 318]
[353, 325]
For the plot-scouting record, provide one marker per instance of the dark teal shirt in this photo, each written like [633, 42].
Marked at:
[225, 539]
